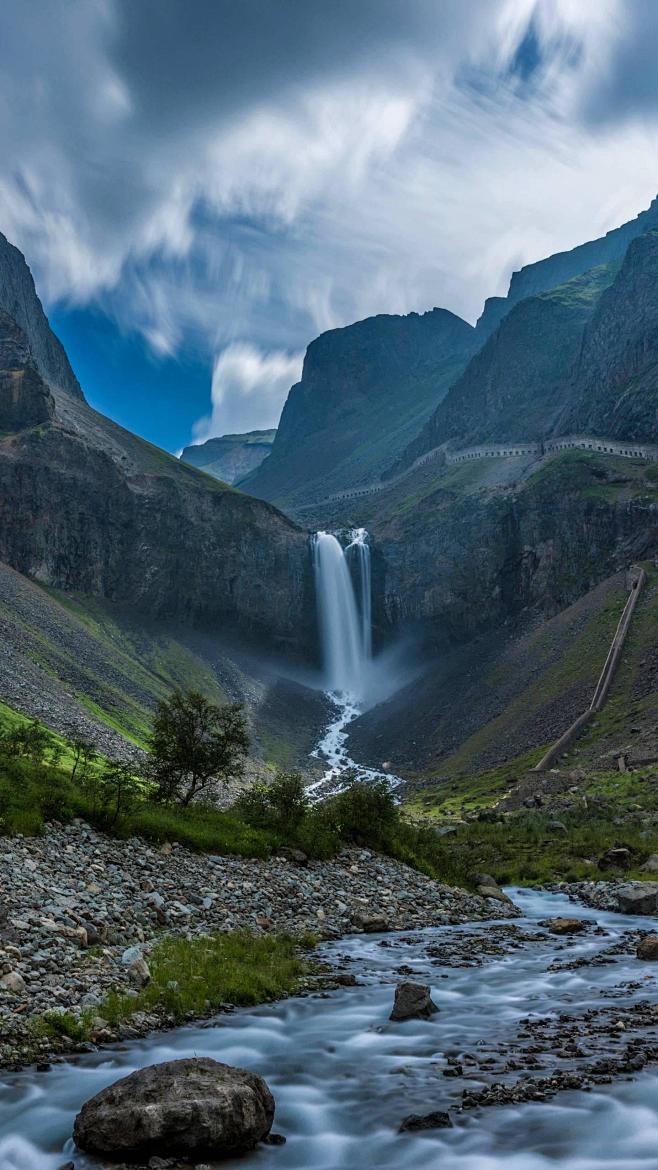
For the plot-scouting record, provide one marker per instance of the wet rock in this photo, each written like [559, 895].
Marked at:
[648, 947]
[416, 1121]
[566, 925]
[413, 1001]
[182, 1107]
[638, 898]
[496, 893]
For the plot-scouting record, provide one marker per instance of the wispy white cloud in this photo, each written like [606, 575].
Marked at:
[236, 178]
[248, 390]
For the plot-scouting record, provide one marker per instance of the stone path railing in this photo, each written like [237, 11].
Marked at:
[561, 745]
[550, 447]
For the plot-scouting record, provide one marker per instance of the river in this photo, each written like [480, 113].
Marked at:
[343, 1076]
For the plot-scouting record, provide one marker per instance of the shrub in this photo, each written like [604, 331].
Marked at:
[365, 814]
[281, 805]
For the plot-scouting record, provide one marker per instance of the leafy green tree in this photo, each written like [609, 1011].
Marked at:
[28, 740]
[194, 742]
[84, 753]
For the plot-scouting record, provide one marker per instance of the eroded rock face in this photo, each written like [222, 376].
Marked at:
[182, 1107]
[19, 300]
[413, 1001]
[25, 400]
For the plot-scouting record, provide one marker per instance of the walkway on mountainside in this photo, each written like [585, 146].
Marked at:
[513, 450]
[562, 745]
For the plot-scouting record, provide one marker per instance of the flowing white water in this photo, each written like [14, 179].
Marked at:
[359, 549]
[343, 1076]
[341, 631]
[346, 641]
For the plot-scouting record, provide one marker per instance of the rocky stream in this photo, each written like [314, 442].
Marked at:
[541, 1055]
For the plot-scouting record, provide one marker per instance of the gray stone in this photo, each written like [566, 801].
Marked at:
[413, 1001]
[648, 948]
[139, 973]
[182, 1107]
[638, 898]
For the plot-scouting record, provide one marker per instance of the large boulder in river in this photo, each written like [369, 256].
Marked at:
[648, 948]
[182, 1107]
[566, 925]
[638, 898]
[413, 1001]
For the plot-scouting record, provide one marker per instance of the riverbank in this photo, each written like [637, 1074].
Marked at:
[559, 1026]
[80, 910]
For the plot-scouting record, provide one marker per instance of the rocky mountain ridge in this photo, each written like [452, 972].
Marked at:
[230, 457]
[365, 391]
[86, 506]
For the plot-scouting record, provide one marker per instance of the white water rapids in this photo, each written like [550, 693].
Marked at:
[345, 625]
[343, 1076]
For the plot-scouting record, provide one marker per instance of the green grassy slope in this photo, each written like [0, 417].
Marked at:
[79, 662]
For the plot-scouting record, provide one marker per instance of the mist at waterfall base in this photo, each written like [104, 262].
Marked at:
[352, 678]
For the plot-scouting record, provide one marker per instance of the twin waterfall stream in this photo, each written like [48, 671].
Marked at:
[343, 586]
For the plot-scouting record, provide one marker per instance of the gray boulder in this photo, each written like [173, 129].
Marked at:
[566, 925]
[195, 1107]
[413, 1002]
[648, 948]
[638, 898]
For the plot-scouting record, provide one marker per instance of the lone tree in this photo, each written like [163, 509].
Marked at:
[192, 743]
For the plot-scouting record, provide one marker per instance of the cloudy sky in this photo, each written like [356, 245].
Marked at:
[202, 186]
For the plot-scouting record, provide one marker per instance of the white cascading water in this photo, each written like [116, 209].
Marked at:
[346, 642]
[341, 628]
[359, 548]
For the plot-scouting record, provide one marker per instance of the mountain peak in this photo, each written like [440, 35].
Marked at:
[18, 298]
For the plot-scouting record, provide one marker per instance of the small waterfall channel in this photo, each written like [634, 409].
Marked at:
[343, 588]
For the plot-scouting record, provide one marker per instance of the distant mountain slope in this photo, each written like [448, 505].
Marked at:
[87, 506]
[230, 457]
[563, 266]
[519, 385]
[366, 390]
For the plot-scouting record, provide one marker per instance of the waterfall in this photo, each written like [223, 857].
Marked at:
[345, 652]
[346, 640]
[360, 549]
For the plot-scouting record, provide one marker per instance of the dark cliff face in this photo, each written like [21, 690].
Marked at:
[365, 391]
[86, 506]
[231, 457]
[467, 563]
[18, 298]
[615, 385]
[519, 385]
[25, 400]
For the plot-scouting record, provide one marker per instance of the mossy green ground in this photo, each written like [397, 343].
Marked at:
[191, 978]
